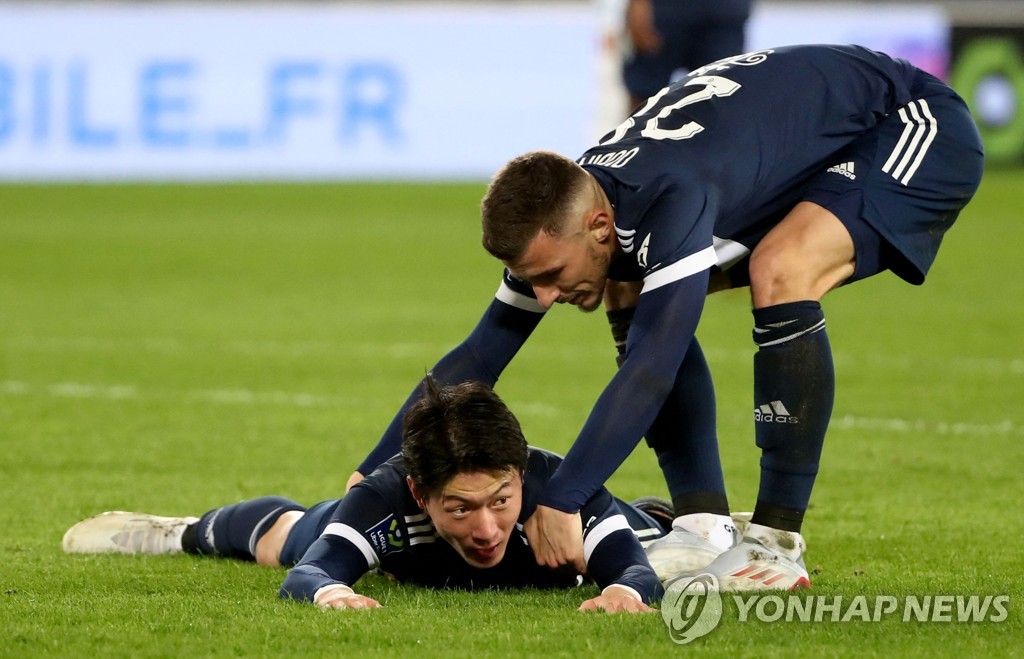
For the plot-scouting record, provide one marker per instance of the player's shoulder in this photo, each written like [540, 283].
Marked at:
[389, 518]
[540, 467]
[642, 183]
[388, 481]
[541, 463]
[389, 473]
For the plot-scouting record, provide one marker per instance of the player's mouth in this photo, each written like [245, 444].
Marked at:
[576, 299]
[485, 554]
[586, 301]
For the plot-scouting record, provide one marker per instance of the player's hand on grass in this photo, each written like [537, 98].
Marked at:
[352, 480]
[556, 538]
[343, 597]
[615, 599]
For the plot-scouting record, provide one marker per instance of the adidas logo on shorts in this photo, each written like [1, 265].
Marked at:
[844, 168]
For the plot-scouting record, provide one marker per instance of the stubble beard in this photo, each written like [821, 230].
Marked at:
[601, 263]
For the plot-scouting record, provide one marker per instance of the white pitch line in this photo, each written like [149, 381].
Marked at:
[989, 366]
[846, 422]
[130, 392]
[248, 348]
[849, 422]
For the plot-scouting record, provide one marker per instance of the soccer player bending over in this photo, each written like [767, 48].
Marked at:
[448, 512]
[791, 171]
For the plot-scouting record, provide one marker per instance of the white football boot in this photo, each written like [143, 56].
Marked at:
[127, 533]
[694, 542]
[766, 559]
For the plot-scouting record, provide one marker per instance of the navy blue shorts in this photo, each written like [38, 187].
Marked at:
[900, 187]
[305, 532]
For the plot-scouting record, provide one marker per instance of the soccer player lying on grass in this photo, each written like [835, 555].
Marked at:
[447, 512]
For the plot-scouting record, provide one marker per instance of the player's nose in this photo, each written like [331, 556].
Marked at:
[485, 530]
[546, 295]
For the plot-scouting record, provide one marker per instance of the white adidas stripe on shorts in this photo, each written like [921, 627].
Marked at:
[920, 129]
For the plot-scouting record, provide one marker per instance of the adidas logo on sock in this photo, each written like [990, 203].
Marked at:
[774, 412]
[844, 168]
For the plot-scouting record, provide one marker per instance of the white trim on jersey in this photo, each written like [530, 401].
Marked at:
[728, 252]
[421, 528]
[626, 237]
[681, 269]
[920, 128]
[602, 531]
[518, 300]
[421, 533]
[345, 531]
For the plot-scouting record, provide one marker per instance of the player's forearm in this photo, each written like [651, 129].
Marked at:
[615, 426]
[329, 560]
[482, 357]
[662, 329]
[643, 581]
[618, 559]
[305, 581]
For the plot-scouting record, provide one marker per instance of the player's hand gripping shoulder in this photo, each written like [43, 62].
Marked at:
[616, 599]
[556, 538]
[340, 596]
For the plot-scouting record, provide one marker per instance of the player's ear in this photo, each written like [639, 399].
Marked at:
[600, 225]
[420, 500]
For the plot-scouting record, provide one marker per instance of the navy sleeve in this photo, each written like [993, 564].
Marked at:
[329, 560]
[345, 550]
[501, 332]
[612, 551]
[665, 321]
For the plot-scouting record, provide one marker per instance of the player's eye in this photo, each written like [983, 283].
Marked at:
[545, 278]
[501, 501]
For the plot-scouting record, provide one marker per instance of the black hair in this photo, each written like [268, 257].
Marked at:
[456, 429]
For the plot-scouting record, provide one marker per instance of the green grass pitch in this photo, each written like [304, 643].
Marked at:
[173, 348]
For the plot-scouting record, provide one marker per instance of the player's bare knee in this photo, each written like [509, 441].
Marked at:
[780, 276]
[775, 278]
[268, 548]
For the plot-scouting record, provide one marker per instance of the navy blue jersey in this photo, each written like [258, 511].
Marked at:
[378, 525]
[707, 166]
[697, 176]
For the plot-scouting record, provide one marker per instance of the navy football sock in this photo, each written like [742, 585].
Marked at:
[794, 389]
[686, 443]
[234, 530]
[685, 439]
